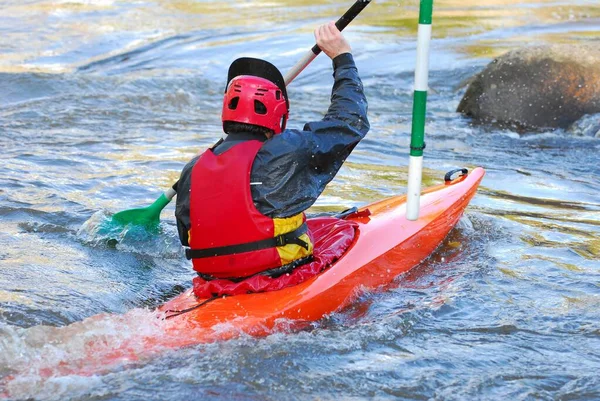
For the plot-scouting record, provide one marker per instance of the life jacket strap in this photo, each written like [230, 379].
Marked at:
[293, 237]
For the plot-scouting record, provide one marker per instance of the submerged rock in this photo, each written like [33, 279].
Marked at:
[536, 87]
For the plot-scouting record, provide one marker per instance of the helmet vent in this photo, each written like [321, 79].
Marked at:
[277, 95]
[259, 107]
[233, 103]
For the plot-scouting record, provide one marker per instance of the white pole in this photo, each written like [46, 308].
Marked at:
[417, 140]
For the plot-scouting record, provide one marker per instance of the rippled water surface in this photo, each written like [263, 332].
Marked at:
[103, 101]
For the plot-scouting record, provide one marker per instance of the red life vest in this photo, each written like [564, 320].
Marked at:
[228, 236]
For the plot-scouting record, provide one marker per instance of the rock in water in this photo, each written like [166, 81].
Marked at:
[536, 87]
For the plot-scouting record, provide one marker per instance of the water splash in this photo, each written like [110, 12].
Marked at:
[44, 362]
[586, 126]
[98, 231]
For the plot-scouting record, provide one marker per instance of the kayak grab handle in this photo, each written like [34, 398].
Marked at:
[449, 174]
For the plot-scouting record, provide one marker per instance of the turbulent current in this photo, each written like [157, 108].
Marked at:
[102, 102]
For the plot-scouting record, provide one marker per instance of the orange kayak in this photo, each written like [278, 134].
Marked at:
[385, 245]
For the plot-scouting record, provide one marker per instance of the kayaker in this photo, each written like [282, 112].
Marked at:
[240, 204]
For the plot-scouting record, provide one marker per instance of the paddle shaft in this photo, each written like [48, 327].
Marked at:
[341, 23]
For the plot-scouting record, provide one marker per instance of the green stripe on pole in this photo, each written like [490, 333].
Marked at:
[425, 12]
[417, 138]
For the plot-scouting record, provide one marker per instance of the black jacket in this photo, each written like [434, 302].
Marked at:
[294, 167]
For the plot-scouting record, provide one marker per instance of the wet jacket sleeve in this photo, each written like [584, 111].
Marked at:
[292, 169]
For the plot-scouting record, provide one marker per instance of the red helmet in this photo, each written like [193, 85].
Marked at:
[256, 95]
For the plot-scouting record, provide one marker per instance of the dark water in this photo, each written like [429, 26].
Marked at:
[101, 104]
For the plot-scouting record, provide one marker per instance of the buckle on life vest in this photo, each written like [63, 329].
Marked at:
[292, 238]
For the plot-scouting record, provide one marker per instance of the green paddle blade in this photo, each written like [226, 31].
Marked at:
[148, 217]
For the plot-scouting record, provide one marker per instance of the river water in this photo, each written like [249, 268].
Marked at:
[103, 101]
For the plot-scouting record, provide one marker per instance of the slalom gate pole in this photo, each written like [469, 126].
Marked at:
[417, 138]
